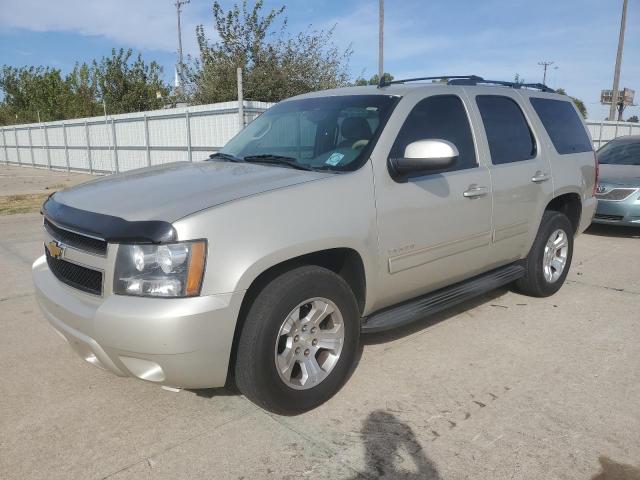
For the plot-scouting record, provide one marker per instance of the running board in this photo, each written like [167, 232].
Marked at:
[421, 307]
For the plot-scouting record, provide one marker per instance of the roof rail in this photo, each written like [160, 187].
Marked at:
[468, 80]
[385, 83]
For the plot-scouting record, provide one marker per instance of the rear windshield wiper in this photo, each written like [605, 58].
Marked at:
[225, 156]
[278, 160]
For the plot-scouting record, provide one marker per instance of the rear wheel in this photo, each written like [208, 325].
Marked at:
[299, 340]
[548, 262]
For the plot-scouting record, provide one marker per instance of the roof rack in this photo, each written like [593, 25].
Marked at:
[469, 80]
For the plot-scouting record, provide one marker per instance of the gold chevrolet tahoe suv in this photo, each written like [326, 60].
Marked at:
[333, 214]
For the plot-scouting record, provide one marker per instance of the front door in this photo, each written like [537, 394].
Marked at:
[434, 230]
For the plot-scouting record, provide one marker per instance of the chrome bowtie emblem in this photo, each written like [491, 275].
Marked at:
[56, 249]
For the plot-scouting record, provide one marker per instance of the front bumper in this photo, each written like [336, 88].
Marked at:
[183, 342]
[625, 212]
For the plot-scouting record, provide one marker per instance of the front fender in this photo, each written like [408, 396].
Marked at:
[248, 236]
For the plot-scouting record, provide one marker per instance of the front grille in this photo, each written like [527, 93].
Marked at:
[75, 276]
[616, 194]
[76, 240]
[616, 218]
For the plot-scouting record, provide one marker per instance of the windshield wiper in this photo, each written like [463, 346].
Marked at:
[225, 156]
[278, 160]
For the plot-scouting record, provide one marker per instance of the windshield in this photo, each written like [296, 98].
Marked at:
[620, 152]
[326, 133]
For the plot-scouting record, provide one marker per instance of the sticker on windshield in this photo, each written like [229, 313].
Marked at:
[334, 159]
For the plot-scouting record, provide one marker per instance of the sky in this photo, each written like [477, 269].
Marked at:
[492, 38]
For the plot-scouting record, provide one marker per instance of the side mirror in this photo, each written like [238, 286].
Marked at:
[422, 157]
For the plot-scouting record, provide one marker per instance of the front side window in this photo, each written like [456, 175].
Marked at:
[508, 133]
[325, 133]
[440, 117]
[563, 125]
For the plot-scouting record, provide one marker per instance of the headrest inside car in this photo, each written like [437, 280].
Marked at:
[356, 128]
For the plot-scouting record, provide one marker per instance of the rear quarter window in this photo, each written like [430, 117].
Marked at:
[562, 123]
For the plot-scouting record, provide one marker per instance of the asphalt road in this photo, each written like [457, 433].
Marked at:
[502, 387]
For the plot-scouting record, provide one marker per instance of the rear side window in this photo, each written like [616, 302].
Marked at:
[562, 123]
[440, 117]
[508, 133]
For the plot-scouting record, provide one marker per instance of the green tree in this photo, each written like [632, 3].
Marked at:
[579, 103]
[32, 91]
[128, 84]
[125, 83]
[275, 64]
[374, 80]
[83, 86]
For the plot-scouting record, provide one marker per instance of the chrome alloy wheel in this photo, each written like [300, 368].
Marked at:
[555, 256]
[309, 343]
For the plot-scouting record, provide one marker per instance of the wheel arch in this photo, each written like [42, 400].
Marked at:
[570, 204]
[344, 261]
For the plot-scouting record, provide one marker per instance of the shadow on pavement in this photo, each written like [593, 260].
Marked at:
[431, 320]
[387, 441]
[603, 230]
[228, 391]
[372, 339]
[611, 470]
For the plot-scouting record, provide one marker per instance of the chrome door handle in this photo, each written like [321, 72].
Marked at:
[475, 192]
[540, 177]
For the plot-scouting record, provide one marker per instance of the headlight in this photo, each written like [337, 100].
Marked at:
[168, 270]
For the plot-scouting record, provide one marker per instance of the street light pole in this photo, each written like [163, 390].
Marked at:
[381, 40]
[616, 73]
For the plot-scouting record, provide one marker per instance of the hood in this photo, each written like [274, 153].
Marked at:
[620, 175]
[172, 191]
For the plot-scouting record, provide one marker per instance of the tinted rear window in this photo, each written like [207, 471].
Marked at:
[508, 133]
[562, 123]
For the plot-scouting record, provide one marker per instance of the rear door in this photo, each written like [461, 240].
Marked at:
[569, 149]
[520, 173]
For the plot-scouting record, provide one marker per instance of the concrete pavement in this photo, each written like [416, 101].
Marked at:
[16, 180]
[505, 386]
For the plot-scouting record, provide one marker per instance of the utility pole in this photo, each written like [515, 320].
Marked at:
[616, 73]
[240, 98]
[381, 40]
[545, 65]
[180, 67]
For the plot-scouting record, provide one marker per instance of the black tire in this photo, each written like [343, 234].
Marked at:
[534, 282]
[255, 369]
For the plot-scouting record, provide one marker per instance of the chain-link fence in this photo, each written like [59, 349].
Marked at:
[116, 143]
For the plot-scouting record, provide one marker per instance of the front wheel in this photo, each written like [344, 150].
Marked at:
[548, 262]
[299, 341]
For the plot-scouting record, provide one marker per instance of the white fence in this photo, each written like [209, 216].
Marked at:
[124, 142]
[603, 132]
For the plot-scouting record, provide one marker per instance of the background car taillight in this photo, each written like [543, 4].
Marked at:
[595, 183]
